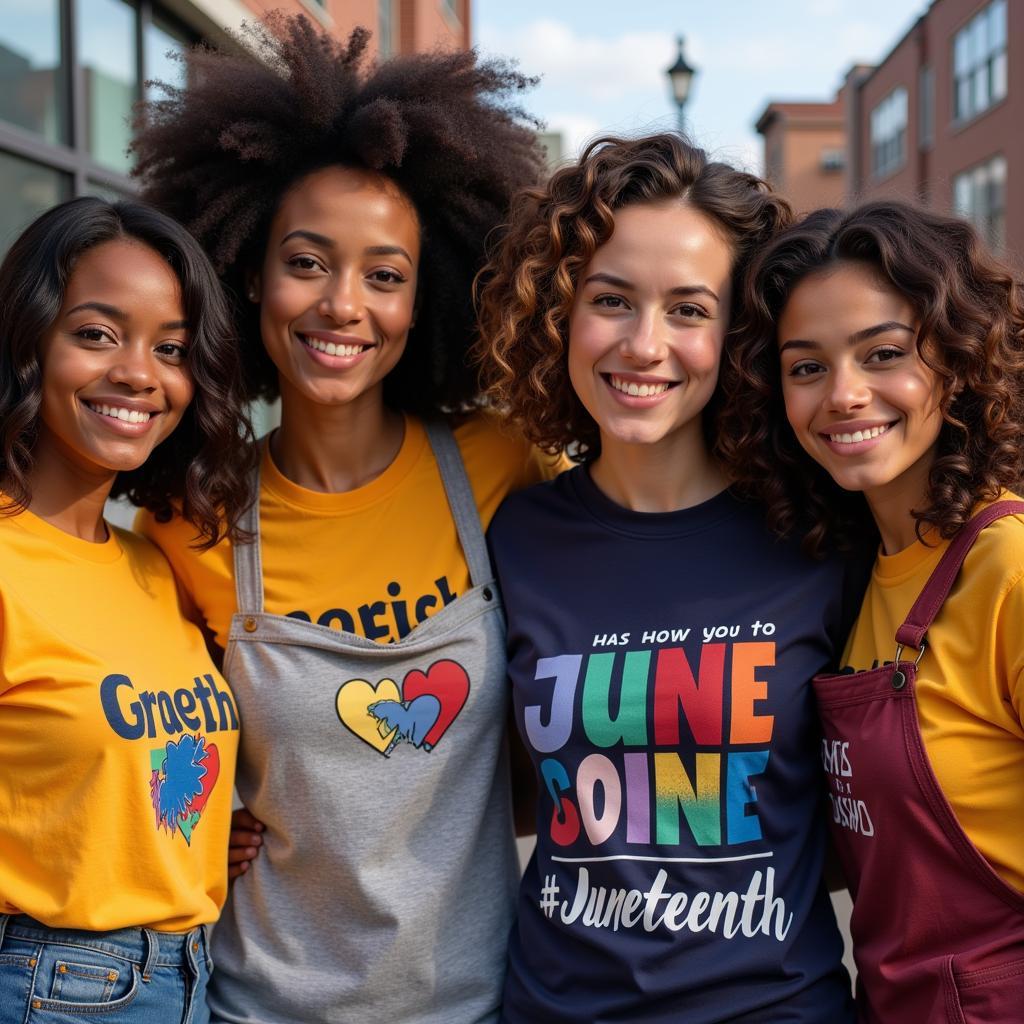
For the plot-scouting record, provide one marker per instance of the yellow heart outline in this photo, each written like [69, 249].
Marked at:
[351, 703]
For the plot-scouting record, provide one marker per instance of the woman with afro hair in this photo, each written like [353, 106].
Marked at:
[878, 383]
[346, 208]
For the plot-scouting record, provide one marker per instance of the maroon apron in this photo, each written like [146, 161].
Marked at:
[938, 935]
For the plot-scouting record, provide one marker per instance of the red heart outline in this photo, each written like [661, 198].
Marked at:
[446, 680]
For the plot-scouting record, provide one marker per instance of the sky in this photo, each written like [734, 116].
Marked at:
[602, 62]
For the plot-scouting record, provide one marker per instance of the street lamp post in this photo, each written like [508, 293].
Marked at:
[680, 77]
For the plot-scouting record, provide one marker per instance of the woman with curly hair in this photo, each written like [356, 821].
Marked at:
[346, 208]
[661, 643]
[118, 376]
[894, 345]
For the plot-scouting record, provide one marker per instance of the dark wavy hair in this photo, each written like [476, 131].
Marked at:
[220, 153]
[202, 467]
[526, 291]
[970, 317]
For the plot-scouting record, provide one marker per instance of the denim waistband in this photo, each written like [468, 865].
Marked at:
[143, 946]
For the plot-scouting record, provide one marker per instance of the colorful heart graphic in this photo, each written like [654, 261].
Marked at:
[420, 714]
[354, 697]
[448, 682]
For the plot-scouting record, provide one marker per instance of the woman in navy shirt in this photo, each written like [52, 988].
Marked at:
[661, 641]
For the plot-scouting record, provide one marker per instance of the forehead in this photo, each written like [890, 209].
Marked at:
[338, 200]
[668, 235]
[125, 269]
[842, 299]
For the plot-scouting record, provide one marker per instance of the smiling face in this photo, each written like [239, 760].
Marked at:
[648, 323]
[115, 375]
[337, 287]
[859, 397]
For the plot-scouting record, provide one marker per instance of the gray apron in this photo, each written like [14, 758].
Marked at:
[385, 887]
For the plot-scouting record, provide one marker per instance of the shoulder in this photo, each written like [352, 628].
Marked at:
[997, 558]
[492, 449]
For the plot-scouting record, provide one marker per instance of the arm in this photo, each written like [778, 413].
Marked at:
[244, 842]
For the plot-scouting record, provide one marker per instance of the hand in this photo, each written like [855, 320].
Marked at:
[244, 843]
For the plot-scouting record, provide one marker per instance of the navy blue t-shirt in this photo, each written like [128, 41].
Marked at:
[660, 666]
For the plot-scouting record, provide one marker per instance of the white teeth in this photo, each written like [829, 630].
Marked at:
[329, 348]
[117, 412]
[637, 390]
[858, 435]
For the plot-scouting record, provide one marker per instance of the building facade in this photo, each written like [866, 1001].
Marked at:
[805, 151]
[939, 119]
[72, 70]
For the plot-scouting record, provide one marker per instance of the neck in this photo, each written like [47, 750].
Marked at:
[892, 505]
[673, 474]
[67, 496]
[335, 448]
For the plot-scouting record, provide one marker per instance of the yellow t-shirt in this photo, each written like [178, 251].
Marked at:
[970, 689]
[118, 738]
[376, 560]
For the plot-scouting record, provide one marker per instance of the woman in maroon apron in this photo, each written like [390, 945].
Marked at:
[894, 342]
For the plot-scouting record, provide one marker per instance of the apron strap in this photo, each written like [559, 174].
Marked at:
[460, 500]
[248, 558]
[926, 607]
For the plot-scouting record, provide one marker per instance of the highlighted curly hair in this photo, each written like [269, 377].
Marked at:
[970, 316]
[219, 154]
[526, 291]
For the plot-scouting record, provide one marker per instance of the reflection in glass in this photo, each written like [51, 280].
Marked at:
[106, 40]
[32, 79]
[27, 189]
[161, 40]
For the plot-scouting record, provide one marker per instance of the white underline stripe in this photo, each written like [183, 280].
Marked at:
[664, 860]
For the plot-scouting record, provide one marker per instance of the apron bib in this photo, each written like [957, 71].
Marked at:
[385, 886]
[938, 935]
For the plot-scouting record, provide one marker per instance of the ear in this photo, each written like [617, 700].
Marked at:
[253, 286]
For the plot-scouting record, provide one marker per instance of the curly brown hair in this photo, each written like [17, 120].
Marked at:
[526, 291]
[970, 316]
[202, 468]
[219, 154]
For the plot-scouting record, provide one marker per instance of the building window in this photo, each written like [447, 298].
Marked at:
[979, 195]
[451, 8]
[65, 129]
[385, 27]
[979, 62]
[832, 159]
[926, 108]
[889, 133]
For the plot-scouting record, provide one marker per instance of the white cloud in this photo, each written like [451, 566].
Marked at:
[594, 68]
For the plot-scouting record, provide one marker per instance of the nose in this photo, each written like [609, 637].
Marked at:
[342, 298]
[645, 343]
[136, 366]
[848, 389]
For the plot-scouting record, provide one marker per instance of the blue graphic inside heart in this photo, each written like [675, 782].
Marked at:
[426, 706]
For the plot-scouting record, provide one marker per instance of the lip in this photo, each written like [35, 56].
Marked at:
[333, 362]
[636, 401]
[122, 427]
[852, 427]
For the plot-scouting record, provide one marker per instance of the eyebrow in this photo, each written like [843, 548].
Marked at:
[328, 243]
[620, 282]
[853, 339]
[119, 314]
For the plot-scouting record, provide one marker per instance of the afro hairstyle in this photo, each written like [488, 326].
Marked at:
[220, 152]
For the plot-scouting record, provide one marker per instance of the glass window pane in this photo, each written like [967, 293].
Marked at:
[981, 98]
[106, 31]
[112, 195]
[997, 26]
[961, 56]
[962, 195]
[999, 77]
[160, 42]
[32, 78]
[26, 190]
[979, 38]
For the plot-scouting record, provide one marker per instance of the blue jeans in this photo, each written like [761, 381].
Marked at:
[129, 976]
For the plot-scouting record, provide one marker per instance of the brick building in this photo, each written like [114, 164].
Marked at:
[71, 70]
[938, 120]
